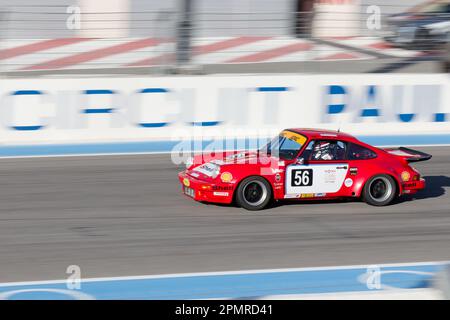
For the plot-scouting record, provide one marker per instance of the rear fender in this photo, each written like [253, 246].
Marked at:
[359, 185]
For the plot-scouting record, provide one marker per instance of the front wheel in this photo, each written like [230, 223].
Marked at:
[254, 193]
[380, 190]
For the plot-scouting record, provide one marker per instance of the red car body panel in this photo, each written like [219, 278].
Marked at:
[236, 166]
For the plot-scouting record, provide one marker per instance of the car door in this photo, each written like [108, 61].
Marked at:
[316, 176]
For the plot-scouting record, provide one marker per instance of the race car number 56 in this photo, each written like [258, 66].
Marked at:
[301, 178]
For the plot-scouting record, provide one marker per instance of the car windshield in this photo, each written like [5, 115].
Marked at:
[286, 146]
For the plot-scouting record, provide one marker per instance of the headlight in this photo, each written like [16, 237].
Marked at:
[215, 172]
[189, 162]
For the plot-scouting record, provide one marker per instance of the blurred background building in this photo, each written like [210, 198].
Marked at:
[211, 33]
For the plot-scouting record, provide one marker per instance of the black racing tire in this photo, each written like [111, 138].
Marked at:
[380, 190]
[253, 193]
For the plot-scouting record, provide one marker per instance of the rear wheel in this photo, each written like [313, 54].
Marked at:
[254, 193]
[380, 190]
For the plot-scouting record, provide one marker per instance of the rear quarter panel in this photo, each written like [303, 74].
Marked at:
[383, 164]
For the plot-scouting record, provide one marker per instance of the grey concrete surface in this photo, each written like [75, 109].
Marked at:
[392, 65]
[125, 215]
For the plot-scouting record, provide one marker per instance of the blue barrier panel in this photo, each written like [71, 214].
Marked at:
[167, 146]
[250, 284]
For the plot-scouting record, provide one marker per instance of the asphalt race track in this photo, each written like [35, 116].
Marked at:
[125, 215]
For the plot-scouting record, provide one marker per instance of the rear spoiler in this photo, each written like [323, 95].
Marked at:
[408, 154]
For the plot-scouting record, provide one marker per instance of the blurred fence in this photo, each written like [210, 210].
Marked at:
[56, 38]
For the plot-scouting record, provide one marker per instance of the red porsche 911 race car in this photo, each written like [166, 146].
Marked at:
[304, 164]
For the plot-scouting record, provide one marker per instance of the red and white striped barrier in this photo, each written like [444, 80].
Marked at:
[86, 53]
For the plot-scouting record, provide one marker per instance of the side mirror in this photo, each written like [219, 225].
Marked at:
[300, 161]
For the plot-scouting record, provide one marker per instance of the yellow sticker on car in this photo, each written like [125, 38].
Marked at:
[405, 176]
[186, 182]
[226, 177]
[296, 137]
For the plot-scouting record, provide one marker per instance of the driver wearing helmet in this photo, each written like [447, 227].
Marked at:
[323, 151]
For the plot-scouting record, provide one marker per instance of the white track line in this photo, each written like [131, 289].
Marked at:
[202, 274]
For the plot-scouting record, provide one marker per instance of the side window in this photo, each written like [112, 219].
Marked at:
[327, 150]
[357, 152]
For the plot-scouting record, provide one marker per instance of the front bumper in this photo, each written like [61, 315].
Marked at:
[201, 190]
[413, 186]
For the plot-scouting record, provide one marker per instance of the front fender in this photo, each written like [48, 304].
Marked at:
[274, 178]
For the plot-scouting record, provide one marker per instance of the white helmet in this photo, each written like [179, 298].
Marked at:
[322, 151]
